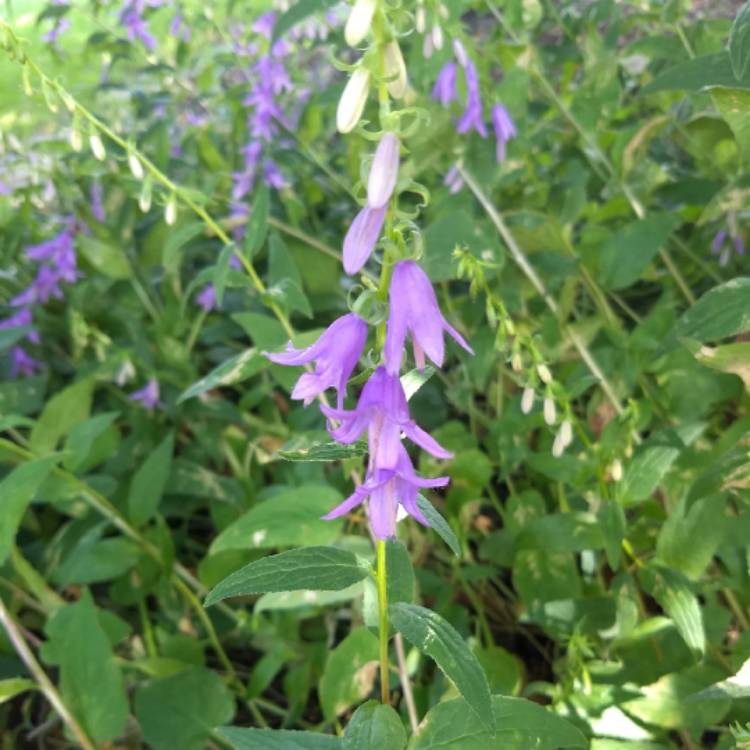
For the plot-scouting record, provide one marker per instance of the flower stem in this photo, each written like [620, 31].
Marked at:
[382, 578]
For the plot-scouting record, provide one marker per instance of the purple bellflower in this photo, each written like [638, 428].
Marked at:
[505, 129]
[361, 238]
[414, 309]
[445, 90]
[722, 248]
[335, 354]
[382, 411]
[453, 180]
[387, 489]
[148, 395]
[472, 116]
[22, 363]
[207, 298]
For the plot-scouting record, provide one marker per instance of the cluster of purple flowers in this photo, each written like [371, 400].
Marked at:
[725, 241]
[133, 20]
[56, 266]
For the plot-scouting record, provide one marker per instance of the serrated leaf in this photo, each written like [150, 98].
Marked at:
[303, 449]
[439, 640]
[257, 225]
[234, 370]
[438, 524]
[721, 312]
[297, 13]
[149, 482]
[278, 739]
[374, 726]
[413, 380]
[739, 42]
[313, 568]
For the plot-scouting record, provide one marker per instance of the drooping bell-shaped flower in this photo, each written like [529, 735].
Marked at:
[148, 395]
[505, 129]
[335, 354]
[207, 298]
[384, 171]
[414, 309]
[353, 100]
[472, 115]
[361, 238]
[445, 90]
[382, 411]
[22, 363]
[359, 21]
[387, 489]
[395, 69]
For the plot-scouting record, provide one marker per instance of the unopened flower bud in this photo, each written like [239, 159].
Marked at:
[460, 52]
[550, 412]
[544, 374]
[170, 211]
[437, 36]
[395, 69]
[135, 165]
[97, 147]
[144, 200]
[420, 19]
[353, 100]
[527, 400]
[616, 470]
[443, 11]
[558, 446]
[566, 433]
[516, 362]
[359, 21]
[384, 171]
[76, 139]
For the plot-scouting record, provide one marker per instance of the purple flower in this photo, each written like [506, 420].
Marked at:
[207, 298]
[179, 29]
[148, 395]
[384, 171]
[60, 27]
[719, 244]
[453, 180]
[505, 129]
[272, 176]
[387, 489]
[361, 238]
[718, 241]
[382, 411]
[472, 116]
[414, 309]
[264, 25]
[335, 354]
[21, 363]
[97, 204]
[739, 245]
[445, 90]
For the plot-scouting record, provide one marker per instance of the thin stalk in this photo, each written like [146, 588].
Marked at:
[382, 581]
[44, 682]
[411, 708]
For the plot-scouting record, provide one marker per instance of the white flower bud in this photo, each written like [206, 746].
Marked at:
[566, 433]
[616, 470]
[460, 52]
[443, 11]
[170, 211]
[516, 362]
[353, 100]
[395, 68]
[420, 20]
[135, 166]
[550, 413]
[384, 171]
[359, 21]
[76, 139]
[527, 400]
[427, 47]
[558, 446]
[144, 199]
[437, 36]
[97, 147]
[544, 374]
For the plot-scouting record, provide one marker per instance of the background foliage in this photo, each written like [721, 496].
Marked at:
[608, 584]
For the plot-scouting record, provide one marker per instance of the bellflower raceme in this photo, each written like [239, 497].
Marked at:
[384, 171]
[335, 354]
[387, 489]
[414, 309]
[505, 129]
[382, 410]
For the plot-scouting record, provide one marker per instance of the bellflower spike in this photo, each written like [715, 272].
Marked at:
[361, 238]
[414, 309]
[388, 489]
[384, 171]
[382, 411]
[359, 21]
[445, 87]
[335, 354]
[505, 129]
[148, 395]
[353, 100]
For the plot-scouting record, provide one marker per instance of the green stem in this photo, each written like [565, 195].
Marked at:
[382, 579]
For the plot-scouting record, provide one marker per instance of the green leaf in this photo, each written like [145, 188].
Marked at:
[734, 687]
[708, 71]
[181, 711]
[734, 105]
[178, 237]
[413, 380]
[309, 600]
[314, 568]
[374, 726]
[234, 370]
[400, 579]
[349, 673]
[10, 336]
[149, 482]
[17, 490]
[721, 312]
[82, 437]
[285, 282]
[91, 681]
[106, 258]
[438, 524]
[97, 561]
[303, 449]
[436, 638]
[23, 396]
[672, 591]
[278, 739]
[732, 358]
[627, 255]
[266, 332]
[521, 725]
[221, 271]
[62, 412]
[289, 519]
[297, 13]
[644, 473]
[612, 522]
[561, 532]
[257, 226]
[739, 42]
[14, 686]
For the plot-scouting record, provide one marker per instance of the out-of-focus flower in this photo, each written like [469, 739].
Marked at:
[136, 26]
[97, 202]
[148, 395]
[504, 127]
[207, 298]
[22, 363]
[453, 180]
[472, 115]
[445, 90]
[361, 238]
[359, 21]
[384, 171]
[725, 241]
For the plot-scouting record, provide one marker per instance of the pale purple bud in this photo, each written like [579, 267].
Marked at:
[460, 52]
[384, 171]
[353, 100]
[504, 127]
[718, 241]
[445, 90]
[361, 238]
[359, 21]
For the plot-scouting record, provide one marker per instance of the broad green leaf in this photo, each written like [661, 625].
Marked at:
[189, 478]
[561, 532]
[149, 482]
[672, 591]
[234, 370]
[266, 332]
[612, 522]
[732, 358]
[542, 575]
[721, 312]
[221, 271]
[521, 725]
[314, 568]
[644, 473]
[438, 639]
[297, 13]
[708, 71]
[14, 686]
[736, 686]
[91, 682]
[285, 281]
[438, 524]
[278, 739]
[374, 726]
[349, 673]
[739, 42]
[61, 413]
[106, 258]
[181, 711]
[400, 578]
[734, 105]
[291, 518]
[257, 226]
[17, 490]
[24, 396]
[302, 449]
[101, 560]
[505, 672]
[82, 437]
[306, 600]
[178, 237]
[10, 336]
